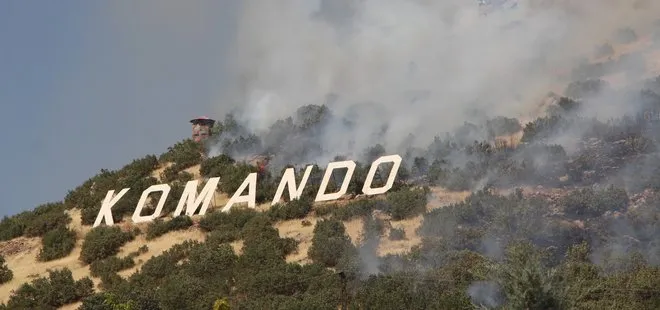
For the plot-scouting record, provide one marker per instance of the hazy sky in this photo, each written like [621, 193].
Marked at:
[86, 85]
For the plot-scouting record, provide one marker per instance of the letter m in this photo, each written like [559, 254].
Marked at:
[190, 199]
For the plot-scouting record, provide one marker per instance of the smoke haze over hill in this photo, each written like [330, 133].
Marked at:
[429, 65]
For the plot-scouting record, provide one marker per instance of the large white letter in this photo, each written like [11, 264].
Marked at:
[367, 190]
[189, 197]
[250, 198]
[143, 199]
[289, 180]
[105, 213]
[321, 195]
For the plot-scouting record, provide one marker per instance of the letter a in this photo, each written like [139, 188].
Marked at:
[165, 189]
[367, 190]
[289, 180]
[105, 213]
[250, 198]
[321, 195]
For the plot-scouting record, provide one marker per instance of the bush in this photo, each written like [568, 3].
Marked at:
[590, 203]
[13, 227]
[215, 166]
[225, 234]
[501, 125]
[294, 209]
[236, 217]
[46, 218]
[353, 209]
[35, 223]
[159, 227]
[102, 242]
[57, 244]
[5, 273]
[55, 291]
[329, 243]
[112, 264]
[407, 203]
[262, 245]
[183, 154]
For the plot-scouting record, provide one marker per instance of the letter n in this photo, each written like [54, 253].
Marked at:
[289, 180]
[321, 195]
[367, 190]
[106, 213]
[189, 199]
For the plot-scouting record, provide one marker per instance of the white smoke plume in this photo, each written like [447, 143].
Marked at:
[431, 65]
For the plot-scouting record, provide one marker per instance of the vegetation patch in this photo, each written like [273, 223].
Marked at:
[159, 227]
[5, 273]
[52, 292]
[102, 242]
[57, 243]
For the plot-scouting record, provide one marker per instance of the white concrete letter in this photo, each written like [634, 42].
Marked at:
[192, 201]
[165, 189]
[250, 198]
[321, 195]
[289, 180]
[105, 213]
[367, 190]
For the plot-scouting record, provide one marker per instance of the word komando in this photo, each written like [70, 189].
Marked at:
[192, 201]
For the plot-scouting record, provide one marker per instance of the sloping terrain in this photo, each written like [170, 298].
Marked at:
[21, 253]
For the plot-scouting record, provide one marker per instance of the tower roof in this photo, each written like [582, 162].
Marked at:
[202, 120]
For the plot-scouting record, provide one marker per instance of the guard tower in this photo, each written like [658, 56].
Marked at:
[201, 128]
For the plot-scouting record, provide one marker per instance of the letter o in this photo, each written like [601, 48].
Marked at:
[396, 160]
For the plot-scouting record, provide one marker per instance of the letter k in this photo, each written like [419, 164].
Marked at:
[105, 213]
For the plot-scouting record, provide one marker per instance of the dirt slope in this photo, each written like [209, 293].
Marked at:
[21, 253]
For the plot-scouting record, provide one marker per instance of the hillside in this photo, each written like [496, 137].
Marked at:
[21, 253]
[557, 211]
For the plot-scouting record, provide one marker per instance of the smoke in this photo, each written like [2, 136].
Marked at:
[485, 294]
[412, 66]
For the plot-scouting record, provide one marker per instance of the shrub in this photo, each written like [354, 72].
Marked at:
[215, 166]
[159, 227]
[138, 169]
[111, 264]
[49, 293]
[294, 209]
[262, 245]
[57, 243]
[407, 203]
[102, 242]
[590, 203]
[329, 243]
[46, 218]
[233, 176]
[236, 217]
[13, 227]
[353, 209]
[183, 154]
[225, 234]
[5, 273]
[501, 125]
[213, 262]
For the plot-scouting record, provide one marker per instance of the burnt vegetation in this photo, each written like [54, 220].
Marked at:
[590, 245]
